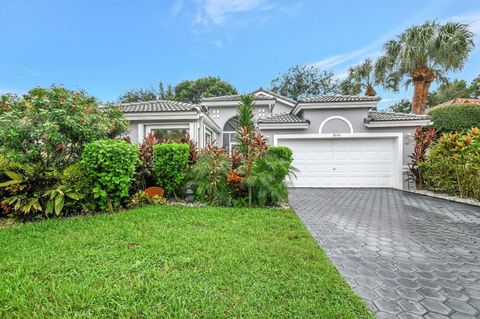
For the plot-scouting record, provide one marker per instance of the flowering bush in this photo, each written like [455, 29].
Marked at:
[452, 165]
[51, 126]
[42, 133]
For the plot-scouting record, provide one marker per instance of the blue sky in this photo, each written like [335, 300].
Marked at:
[108, 46]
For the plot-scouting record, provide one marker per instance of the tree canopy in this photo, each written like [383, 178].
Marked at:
[190, 91]
[423, 54]
[193, 91]
[149, 94]
[453, 90]
[362, 76]
[302, 81]
[51, 126]
[349, 87]
[402, 106]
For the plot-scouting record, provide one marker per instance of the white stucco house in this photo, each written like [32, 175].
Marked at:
[337, 141]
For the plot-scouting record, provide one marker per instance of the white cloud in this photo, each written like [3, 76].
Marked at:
[208, 13]
[335, 60]
[374, 49]
[219, 11]
[177, 6]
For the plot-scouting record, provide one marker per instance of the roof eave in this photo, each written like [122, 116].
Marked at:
[283, 126]
[235, 103]
[333, 105]
[162, 115]
[402, 123]
[284, 99]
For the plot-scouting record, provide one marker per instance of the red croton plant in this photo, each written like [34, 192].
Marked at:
[423, 140]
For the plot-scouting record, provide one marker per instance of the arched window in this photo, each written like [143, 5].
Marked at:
[229, 133]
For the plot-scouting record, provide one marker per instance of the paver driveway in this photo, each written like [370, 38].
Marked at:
[407, 255]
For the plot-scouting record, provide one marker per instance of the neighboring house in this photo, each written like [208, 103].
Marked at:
[337, 141]
[453, 102]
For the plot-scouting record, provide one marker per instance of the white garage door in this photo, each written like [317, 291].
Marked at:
[346, 162]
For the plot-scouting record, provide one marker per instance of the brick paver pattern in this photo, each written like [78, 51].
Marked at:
[406, 255]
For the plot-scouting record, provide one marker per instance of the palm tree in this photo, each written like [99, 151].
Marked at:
[424, 54]
[363, 76]
[245, 124]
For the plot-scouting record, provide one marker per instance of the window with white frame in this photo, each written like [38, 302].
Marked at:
[262, 112]
[229, 134]
[168, 133]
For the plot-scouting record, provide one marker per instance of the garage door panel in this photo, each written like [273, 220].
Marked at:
[355, 162]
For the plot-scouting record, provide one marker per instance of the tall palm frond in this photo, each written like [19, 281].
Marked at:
[364, 75]
[423, 54]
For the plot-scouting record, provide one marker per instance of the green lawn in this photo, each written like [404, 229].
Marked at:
[171, 262]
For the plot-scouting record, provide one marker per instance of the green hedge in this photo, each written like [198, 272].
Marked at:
[456, 118]
[282, 152]
[110, 166]
[171, 165]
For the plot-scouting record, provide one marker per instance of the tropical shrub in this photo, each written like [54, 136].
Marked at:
[145, 172]
[423, 140]
[4, 208]
[258, 180]
[51, 126]
[452, 165]
[171, 166]
[253, 147]
[456, 118]
[281, 152]
[29, 189]
[267, 180]
[185, 139]
[245, 124]
[76, 177]
[110, 166]
[209, 176]
[41, 134]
